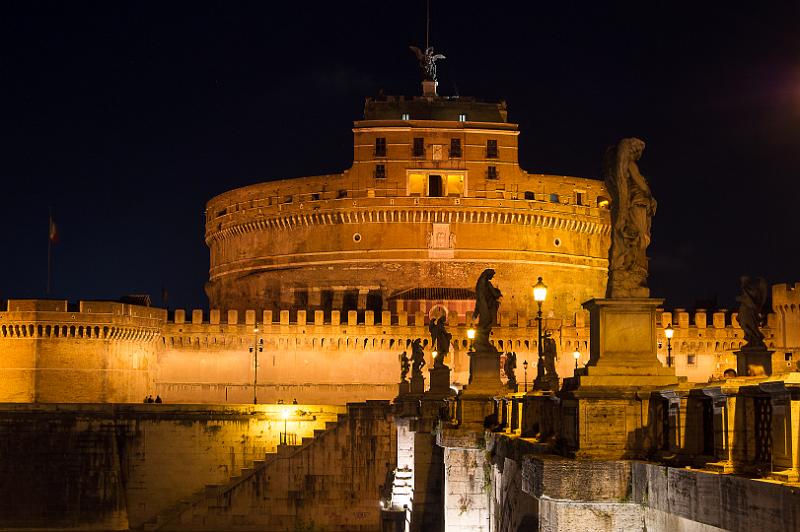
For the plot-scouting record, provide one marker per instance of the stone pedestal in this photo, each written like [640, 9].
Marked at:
[417, 384]
[753, 361]
[440, 381]
[484, 373]
[403, 388]
[606, 407]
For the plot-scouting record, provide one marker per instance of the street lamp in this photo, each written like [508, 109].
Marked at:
[258, 347]
[668, 332]
[285, 415]
[471, 336]
[525, 368]
[577, 355]
[539, 295]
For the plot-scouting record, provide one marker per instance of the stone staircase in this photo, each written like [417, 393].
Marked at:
[208, 498]
[332, 479]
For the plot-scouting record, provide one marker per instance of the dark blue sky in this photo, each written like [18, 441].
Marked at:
[125, 118]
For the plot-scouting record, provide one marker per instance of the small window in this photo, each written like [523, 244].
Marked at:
[530, 195]
[315, 196]
[455, 148]
[341, 194]
[579, 198]
[288, 199]
[554, 198]
[491, 149]
[380, 171]
[405, 116]
[419, 147]
[691, 360]
[380, 147]
[491, 172]
[462, 118]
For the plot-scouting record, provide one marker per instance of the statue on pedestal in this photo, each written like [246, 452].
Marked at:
[427, 61]
[509, 367]
[417, 358]
[751, 310]
[632, 209]
[487, 302]
[405, 365]
[440, 340]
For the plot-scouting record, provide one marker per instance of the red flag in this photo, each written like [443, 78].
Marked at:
[53, 231]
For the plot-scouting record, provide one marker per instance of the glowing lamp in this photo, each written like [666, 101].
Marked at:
[539, 291]
[471, 334]
[525, 365]
[669, 331]
[285, 414]
[255, 329]
[434, 353]
[577, 355]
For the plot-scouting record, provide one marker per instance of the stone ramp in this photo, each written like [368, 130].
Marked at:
[331, 481]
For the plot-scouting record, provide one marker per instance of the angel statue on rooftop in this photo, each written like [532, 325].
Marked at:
[427, 61]
[632, 209]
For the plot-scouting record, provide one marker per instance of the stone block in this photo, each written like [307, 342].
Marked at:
[213, 316]
[419, 319]
[402, 318]
[335, 317]
[386, 318]
[267, 317]
[718, 320]
[180, 316]
[369, 317]
[301, 317]
[319, 317]
[284, 317]
[197, 317]
[352, 317]
[249, 317]
[233, 317]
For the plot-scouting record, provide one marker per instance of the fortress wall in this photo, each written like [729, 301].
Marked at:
[108, 467]
[102, 352]
[313, 356]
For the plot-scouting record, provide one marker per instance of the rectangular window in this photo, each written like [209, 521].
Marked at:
[380, 171]
[455, 185]
[380, 147]
[462, 118]
[341, 194]
[315, 196]
[691, 360]
[554, 198]
[419, 147]
[405, 116]
[491, 172]
[455, 148]
[530, 195]
[435, 188]
[579, 198]
[491, 149]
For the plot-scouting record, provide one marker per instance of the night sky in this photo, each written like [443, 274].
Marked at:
[125, 118]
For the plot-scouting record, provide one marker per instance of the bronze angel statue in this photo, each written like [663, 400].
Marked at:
[427, 61]
[751, 310]
[632, 209]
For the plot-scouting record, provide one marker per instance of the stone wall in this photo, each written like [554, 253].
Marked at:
[540, 492]
[108, 467]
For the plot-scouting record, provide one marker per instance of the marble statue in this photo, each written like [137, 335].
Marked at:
[417, 358]
[509, 368]
[487, 302]
[751, 310]
[549, 349]
[632, 209]
[405, 365]
[427, 61]
[440, 340]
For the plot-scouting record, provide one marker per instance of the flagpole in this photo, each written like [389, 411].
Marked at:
[49, 248]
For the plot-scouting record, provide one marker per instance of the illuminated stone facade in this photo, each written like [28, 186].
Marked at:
[434, 196]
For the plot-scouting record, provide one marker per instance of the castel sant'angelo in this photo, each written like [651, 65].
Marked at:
[317, 284]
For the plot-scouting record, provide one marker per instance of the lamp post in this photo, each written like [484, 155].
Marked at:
[525, 370]
[668, 332]
[539, 295]
[258, 347]
[471, 336]
[285, 415]
[577, 355]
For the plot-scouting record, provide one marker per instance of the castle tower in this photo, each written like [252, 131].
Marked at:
[434, 196]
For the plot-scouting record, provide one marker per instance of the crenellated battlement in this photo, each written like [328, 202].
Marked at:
[786, 297]
[95, 320]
